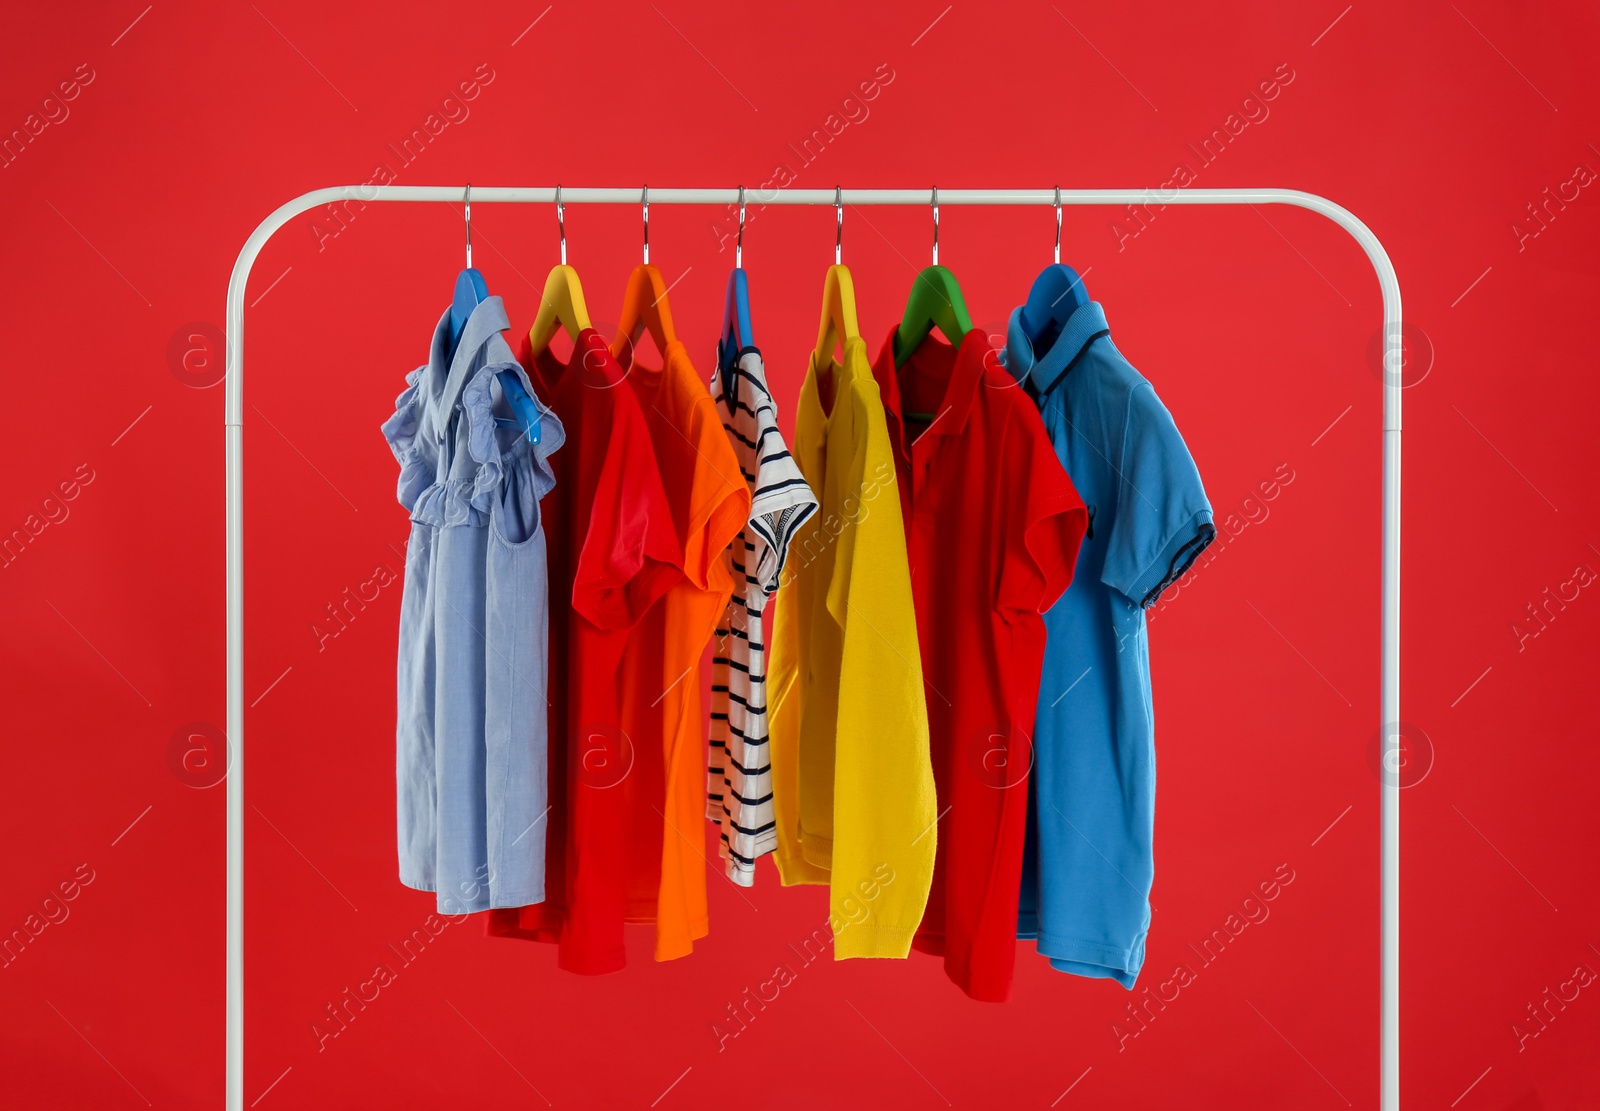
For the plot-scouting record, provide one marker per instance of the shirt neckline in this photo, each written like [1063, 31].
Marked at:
[746, 361]
[650, 376]
[842, 374]
[966, 371]
[447, 371]
[594, 365]
[1083, 327]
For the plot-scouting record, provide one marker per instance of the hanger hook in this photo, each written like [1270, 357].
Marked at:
[1058, 223]
[738, 247]
[561, 224]
[644, 200]
[838, 227]
[936, 225]
[469, 225]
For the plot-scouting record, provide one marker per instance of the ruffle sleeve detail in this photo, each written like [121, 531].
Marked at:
[552, 434]
[457, 488]
[454, 480]
[489, 453]
[492, 444]
[401, 431]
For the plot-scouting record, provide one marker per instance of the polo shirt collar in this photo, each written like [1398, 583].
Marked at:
[1083, 327]
[961, 391]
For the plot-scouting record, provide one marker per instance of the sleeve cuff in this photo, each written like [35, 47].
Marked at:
[1170, 561]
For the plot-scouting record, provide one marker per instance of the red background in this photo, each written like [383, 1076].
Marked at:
[1435, 123]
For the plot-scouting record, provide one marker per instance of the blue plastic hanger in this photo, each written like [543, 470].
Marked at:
[1057, 293]
[471, 291]
[736, 331]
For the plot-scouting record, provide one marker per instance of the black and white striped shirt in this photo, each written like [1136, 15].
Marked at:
[739, 780]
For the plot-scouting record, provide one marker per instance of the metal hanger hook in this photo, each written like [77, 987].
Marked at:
[838, 227]
[1058, 223]
[561, 224]
[469, 225]
[738, 247]
[644, 201]
[936, 225]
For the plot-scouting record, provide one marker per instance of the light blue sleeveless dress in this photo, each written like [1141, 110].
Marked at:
[471, 741]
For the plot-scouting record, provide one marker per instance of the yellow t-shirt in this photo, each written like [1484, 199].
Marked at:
[853, 789]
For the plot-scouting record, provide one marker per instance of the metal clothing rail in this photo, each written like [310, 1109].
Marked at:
[1389, 997]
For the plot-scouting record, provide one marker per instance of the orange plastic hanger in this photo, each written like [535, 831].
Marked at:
[644, 301]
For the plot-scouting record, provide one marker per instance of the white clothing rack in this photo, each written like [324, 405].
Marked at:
[1389, 997]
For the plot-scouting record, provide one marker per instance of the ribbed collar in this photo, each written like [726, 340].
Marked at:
[1083, 327]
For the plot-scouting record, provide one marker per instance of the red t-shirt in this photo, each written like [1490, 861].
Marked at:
[613, 552]
[993, 526]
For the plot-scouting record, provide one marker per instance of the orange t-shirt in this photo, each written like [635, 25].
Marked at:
[660, 676]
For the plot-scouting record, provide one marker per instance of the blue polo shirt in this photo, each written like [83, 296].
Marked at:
[1088, 860]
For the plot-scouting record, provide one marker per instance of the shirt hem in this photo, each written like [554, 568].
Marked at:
[794, 870]
[817, 851]
[531, 897]
[959, 970]
[593, 966]
[500, 902]
[873, 941]
[1093, 960]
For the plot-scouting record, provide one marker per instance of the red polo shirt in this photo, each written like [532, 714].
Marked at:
[992, 532]
[613, 552]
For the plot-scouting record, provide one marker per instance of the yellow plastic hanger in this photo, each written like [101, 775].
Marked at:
[838, 312]
[838, 296]
[561, 304]
[644, 301]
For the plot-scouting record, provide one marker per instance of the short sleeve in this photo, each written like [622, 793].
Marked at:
[631, 555]
[1163, 520]
[783, 503]
[869, 457]
[1042, 518]
[720, 500]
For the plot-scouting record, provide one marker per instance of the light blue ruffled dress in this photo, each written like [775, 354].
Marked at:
[471, 730]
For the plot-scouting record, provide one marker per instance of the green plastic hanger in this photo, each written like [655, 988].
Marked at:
[935, 302]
